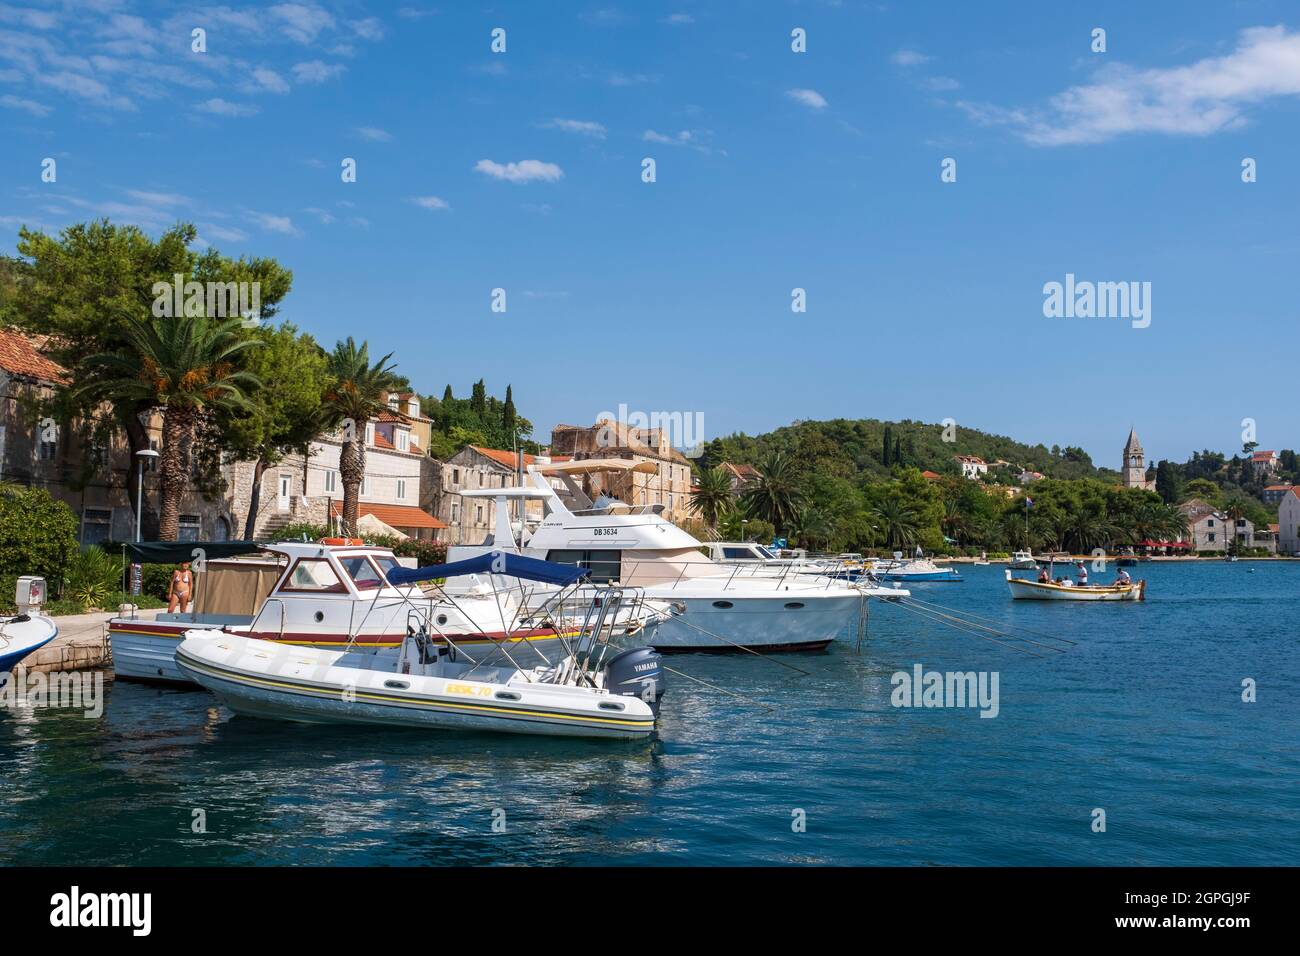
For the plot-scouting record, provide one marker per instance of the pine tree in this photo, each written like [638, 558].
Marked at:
[508, 417]
[478, 401]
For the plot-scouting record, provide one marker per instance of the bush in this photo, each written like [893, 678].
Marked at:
[38, 535]
[295, 532]
[92, 576]
[424, 551]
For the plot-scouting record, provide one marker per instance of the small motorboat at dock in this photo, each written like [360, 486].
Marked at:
[26, 631]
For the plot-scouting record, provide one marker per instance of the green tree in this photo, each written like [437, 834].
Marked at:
[187, 366]
[91, 285]
[287, 413]
[774, 496]
[38, 535]
[712, 495]
[897, 523]
[358, 391]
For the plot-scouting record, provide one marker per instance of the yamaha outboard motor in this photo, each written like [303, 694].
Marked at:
[637, 673]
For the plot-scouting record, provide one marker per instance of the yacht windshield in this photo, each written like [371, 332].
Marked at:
[361, 568]
[764, 552]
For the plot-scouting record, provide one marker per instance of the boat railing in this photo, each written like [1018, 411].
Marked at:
[252, 627]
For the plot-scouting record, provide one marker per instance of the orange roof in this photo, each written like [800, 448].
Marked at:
[1277, 487]
[382, 441]
[20, 355]
[395, 516]
[1263, 456]
[931, 475]
[506, 458]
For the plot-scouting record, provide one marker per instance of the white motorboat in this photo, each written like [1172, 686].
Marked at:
[912, 570]
[28, 630]
[334, 594]
[1023, 589]
[1023, 561]
[592, 691]
[724, 607]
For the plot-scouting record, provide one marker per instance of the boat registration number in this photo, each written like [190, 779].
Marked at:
[469, 690]
[599, 532]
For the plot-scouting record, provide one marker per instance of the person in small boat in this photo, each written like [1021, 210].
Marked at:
[1122, 578]
[180, 590]
[1044, 577]
[1083, 574]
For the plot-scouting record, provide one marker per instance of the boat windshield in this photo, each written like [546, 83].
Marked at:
[765, 553]
[365, 570]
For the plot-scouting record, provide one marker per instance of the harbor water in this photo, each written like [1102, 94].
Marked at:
[1142, 718]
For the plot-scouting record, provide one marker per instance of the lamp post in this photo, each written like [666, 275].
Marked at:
[140, 457]
[743, 522]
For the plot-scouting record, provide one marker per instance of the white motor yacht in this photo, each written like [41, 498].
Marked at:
[725, 607]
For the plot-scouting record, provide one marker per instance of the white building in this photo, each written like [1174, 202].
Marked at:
[1288, 520]
[972, 467]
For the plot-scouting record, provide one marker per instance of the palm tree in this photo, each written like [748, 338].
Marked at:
[774, 495]
[814, 526]
[357, 393]
[897, 523]
[187, 366]
[712, 495]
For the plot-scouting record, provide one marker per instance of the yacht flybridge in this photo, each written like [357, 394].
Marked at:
[724, 607]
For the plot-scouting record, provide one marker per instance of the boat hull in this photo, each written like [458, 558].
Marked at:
[1022, 590]
[18, 639]
[767, 624]
[260, 679]
[146, 651]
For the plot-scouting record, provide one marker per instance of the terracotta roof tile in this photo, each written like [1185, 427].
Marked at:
[395, 516]
[20, 355]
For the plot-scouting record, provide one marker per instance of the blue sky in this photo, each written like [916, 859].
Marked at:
[775, 170]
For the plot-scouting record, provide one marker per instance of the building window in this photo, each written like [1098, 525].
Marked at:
[455, 476]
[478, 514]
[370, 433]
[49, 449]
[392, 403]
[96, 525]
[401, 490]
[152, 463]
[1211, 537]
[331, 481]
[365, 485]
[403, 441]
[455, 512]
[189, 529]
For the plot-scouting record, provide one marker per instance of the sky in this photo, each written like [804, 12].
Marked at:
[774, 170]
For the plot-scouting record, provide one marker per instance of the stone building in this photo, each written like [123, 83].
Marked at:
[471, 520]
[1288, 521]
[91, 480]
[1133, 472]
[670, 486]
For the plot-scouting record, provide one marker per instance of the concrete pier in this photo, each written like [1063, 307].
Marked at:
[82, 643]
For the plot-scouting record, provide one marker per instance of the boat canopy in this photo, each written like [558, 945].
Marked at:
[178, 552]
[493, 562]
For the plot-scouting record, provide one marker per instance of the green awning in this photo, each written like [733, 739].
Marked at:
[178, 552]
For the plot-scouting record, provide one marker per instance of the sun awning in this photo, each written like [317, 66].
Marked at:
[178, 552]
[493, 562]
[594, 465]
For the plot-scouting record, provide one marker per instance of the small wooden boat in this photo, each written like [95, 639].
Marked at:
[1023, 589]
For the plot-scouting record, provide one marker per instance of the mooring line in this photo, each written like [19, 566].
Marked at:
[980, 617]
[968, 627]
[1011, 635]
[757, 703]
[742, 647]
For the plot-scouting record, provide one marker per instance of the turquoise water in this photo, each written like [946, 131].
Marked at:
[1143, 718]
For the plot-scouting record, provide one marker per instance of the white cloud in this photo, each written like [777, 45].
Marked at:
[374, 134]
[581, 127]
[18, 103]
[809, 98]
[524, 171]
[679, 19]
[32, 19]
[324, 215]
[695, 139]
[219, 107]
[940, 84]
[908, 58]
[315, 71]
[631, 79]
[158, 199]
[432, 203]
[301, 22]
[223, 233]
[269, 81]
[1205, 97]
[371, 28]
[272, 223]
[85, 87]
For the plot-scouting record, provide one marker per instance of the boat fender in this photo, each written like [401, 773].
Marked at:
[637, 673]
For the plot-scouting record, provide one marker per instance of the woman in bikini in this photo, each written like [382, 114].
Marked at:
[182, 586]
